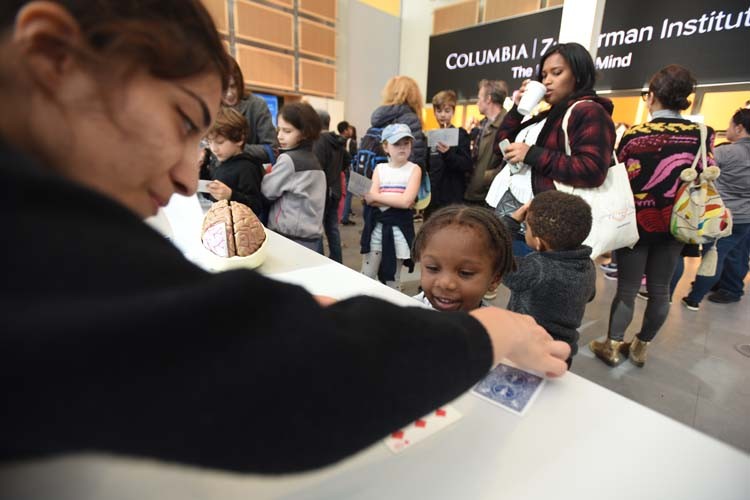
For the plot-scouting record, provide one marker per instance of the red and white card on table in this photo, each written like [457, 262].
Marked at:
[422, 428]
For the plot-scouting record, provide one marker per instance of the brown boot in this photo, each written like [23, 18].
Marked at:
[636, 351]
[608, 350]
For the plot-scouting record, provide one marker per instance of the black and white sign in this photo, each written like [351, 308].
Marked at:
[504, 50]
[638, 37]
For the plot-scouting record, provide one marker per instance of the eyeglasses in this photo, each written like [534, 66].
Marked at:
[644, 94]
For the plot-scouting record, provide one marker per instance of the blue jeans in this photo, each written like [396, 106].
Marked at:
[347, 200]
[331, 228]
[736, 268]
[703, 284]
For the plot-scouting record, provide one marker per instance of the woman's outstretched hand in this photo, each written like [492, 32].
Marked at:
[518, 338]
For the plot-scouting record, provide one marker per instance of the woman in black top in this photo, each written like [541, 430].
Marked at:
[112, 341]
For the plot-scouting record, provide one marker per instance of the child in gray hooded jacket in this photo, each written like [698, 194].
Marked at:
[296, 184]
[554, 283]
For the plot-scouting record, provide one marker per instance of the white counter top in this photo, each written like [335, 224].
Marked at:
[577, 441]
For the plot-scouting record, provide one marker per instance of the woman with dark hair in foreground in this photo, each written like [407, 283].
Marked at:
[112, 341]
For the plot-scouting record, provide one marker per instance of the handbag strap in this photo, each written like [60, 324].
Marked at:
[565, 120]
[701, 153]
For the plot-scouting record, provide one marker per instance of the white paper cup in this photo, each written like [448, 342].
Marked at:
[532, 96]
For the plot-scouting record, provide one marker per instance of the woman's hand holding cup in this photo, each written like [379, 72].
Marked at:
[533, 93]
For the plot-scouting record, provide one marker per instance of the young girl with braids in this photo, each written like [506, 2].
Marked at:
[463, 253]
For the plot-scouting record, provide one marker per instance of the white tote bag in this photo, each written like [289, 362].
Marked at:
[612, 206]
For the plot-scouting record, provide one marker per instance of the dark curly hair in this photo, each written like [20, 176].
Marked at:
[498, 238]
[562, 220]
[672, 85]
[742, 117]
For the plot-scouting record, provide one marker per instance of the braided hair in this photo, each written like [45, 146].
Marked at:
[482, 220]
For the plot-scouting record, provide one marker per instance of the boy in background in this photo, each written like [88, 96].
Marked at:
[553, 283]
[449, 166]
[238, 176]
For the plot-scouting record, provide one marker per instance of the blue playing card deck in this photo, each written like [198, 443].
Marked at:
[510, 388]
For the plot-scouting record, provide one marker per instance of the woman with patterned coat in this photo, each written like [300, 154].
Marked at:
[655, 153]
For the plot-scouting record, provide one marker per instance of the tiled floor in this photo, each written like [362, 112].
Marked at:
[693, 374]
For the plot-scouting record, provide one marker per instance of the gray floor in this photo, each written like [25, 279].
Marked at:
[694, 374]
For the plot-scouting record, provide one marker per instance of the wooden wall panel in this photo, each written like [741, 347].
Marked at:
[498, 9]
[317, 39]
[266, 68]
[325, 9]
[263, 24]
[554, 3]
[219, 13]
[456, 16]
[317, 78]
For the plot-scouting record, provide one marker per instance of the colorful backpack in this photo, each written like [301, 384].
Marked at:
[699, 215]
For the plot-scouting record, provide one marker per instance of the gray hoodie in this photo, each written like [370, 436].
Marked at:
[297, 187]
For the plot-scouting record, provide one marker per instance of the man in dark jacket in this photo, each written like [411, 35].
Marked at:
[349, 133]
[330, 149]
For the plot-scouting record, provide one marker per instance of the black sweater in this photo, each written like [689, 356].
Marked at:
[449, 171]
[553, 287]
[112, 341]
[243, 175]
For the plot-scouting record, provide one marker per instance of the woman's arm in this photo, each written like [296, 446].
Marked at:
[508, 129]
[592, 138]
[402, 200]
[264, 147]
[710, 155]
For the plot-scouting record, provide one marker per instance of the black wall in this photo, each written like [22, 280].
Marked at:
[633, 46]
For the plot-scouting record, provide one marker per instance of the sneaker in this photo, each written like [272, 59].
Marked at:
[723, 297]
[609, 267]
[611, 276]
[690, 304]
[347, 223]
